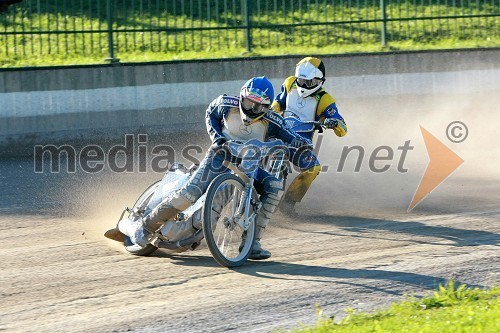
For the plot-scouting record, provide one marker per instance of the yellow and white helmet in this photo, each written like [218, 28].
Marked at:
[310, 76]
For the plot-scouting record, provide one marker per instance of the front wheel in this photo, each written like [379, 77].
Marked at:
[228, 242]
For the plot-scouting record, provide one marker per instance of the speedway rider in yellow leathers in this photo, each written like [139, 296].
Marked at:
[227, 118]
[304, 97]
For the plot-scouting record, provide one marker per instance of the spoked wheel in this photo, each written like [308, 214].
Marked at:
[141, 204]
[228, 242]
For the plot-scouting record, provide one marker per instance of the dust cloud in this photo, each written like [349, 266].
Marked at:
[392, 122]
[101, 198]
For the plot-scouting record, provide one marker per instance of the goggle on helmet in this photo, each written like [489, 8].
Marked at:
[310, 76]
[254, 102]
[256, 96]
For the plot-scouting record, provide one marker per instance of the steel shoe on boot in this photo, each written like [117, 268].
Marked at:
[115, 235]
[258, 253]
[135, 230]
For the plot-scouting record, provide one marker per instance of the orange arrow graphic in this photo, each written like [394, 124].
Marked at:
[442, 162]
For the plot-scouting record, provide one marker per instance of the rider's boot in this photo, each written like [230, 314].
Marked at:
[259, 253]
[298, 189]
[269, 203]
[135, 230]
[141, 230]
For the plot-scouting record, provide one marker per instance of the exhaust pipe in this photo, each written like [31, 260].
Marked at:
[198, 236]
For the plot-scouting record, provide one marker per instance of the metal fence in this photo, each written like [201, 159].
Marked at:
[108, 28]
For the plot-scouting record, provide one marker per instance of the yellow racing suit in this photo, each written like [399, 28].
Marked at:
[316, 107]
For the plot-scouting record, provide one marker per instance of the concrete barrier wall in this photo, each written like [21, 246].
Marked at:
[43, 104]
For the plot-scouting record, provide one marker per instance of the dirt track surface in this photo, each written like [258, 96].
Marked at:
[354, 245]
[56, 279]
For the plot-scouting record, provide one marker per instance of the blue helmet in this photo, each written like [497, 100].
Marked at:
[256, 97]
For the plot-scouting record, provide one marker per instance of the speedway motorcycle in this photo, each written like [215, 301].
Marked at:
[225, 215]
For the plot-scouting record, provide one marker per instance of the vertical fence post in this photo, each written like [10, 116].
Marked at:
[111, 48]
[384, 23]
[248, 29]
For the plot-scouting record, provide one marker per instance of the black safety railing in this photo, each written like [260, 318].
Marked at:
[108, 28]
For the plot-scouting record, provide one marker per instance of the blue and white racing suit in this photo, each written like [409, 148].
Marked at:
[223, 123]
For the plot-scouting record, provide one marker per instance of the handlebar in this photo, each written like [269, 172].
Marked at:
[263, 146]
[295, 124]
[254, 148]
[249, 154]
[318, 123]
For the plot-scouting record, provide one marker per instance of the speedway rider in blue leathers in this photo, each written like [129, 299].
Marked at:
[230, 118]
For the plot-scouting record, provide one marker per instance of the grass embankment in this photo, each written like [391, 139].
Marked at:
[450, 309]
[79, 48]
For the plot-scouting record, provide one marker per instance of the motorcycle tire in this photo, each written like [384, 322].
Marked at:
[222, 197]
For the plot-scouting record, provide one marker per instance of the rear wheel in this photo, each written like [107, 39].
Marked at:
[228, 242]
[140, 205]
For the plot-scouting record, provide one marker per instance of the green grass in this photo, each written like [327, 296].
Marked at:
[146, 56]
[450, 309]
[25, 49]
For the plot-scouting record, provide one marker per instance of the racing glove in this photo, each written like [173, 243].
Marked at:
[330, 123]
